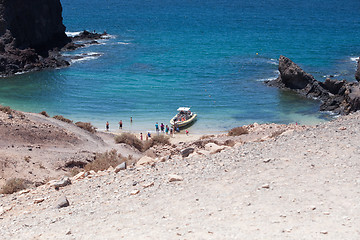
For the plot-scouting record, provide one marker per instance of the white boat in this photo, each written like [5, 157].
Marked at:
[184, 118]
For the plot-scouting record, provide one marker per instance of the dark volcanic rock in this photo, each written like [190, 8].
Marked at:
[357, 73]
[29, 32]
[292, 76]
[33, 24]
[341, 97]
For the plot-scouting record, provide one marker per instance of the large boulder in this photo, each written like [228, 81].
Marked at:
[292, 76]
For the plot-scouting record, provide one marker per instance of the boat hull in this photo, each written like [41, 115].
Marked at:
[184, 124]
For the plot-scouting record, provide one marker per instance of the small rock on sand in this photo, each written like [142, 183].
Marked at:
[62, 202]
[134, 192]
[121, 166]
[145, 160]
[186, 152]
[78, 176]
[62, 183]
[174, 178]
[38, 200]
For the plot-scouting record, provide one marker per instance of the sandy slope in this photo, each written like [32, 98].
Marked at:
[303, 184]
[36, 148]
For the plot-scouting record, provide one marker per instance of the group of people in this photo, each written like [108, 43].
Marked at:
[120, 124]
[164, 129]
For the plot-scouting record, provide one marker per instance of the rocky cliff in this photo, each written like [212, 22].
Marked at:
[341, 97]
[34, 24]
[29, 30]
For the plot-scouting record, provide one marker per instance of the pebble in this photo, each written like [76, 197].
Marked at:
[150, 184]
[121, 166]
[61, 183]
[174, 178]
[62, 202]
[134, 192]
[265, 186]
[38, 200]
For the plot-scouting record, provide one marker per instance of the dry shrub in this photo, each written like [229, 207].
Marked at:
[61, 118]
[6, 109]
[130, 139]
[103, 161]
[238, 131]
[45, 114]
[86, 126]
[156, 140]
[13, 185]
[229, 143]
[206, 136]
[277, 133]
[160, 140]
[202, 143]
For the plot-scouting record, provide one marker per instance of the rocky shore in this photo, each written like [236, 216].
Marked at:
[338, 96]
[272, 182]
[32, 37]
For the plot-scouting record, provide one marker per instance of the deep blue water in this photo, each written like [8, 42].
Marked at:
[210, 55]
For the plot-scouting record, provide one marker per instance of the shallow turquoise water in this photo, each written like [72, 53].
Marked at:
[210, 55]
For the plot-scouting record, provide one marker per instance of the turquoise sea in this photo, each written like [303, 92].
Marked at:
[210, 55]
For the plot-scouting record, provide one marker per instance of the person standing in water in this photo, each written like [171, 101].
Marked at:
[107, 126]
[120, 124]
[130, 119]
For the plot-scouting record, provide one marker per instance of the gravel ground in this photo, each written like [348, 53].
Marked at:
[303, 184]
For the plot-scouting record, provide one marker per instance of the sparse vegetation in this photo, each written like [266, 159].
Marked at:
[277, 133]
[103, 161]
[13, 185]
[142, 146]
[202, 143]
[238, 131]
[86, 126]
[229, 143]
[61, 118]
[44, 113]
[27, 159]
[6, 109]
[206, 136]
[130, 139]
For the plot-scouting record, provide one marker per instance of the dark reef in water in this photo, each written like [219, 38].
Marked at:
[32, 35]
[341, 97]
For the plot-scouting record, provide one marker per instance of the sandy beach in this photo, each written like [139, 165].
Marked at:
[275, 182]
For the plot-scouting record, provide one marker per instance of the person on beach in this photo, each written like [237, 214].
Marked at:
[157, 127]
[141, 136]
[107, 126]
[120, 124]
[147, 137]
[162, 127]
[149, 134]
[187, 132]
[167, 129]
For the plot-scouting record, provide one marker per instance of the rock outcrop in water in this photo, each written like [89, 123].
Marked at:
[32, 34]
[340, 97]
[29, 30]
